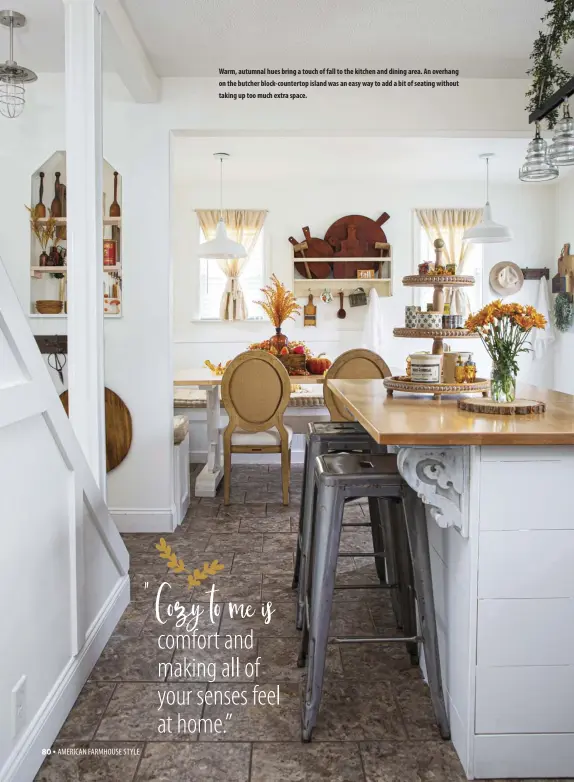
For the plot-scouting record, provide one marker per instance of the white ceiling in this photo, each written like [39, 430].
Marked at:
[482, 38]
[348, 159]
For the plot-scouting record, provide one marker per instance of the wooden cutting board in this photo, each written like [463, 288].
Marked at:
[310, 313]
[118, 428]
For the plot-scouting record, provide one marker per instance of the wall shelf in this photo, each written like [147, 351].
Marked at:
[64, 269]
[50, 282]
[302, 287]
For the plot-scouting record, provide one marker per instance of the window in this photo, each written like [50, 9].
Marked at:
[212, 282]
[473, 266]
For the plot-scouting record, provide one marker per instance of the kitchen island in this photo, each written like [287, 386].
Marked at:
[498, 492]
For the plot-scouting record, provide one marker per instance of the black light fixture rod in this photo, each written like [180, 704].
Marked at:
[553, 102]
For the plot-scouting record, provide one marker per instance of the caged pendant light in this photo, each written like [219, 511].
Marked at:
[537, 167]
[487, 231]
[222, 247]
[13, 76]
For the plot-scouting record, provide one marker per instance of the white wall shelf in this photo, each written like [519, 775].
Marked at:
[382, 282]
[42, 284]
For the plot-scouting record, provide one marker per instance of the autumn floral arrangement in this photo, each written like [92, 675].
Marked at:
[279, 305]
[504, 330]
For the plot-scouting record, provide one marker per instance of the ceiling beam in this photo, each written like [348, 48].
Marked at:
[553, 102]
[132, 63]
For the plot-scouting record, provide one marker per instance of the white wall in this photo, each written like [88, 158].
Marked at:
[62, 563]
[328, 191]
[137, 144]
[564, 350]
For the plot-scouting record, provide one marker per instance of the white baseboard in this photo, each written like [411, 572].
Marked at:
[144, 519]
[297, 457]
[26, 758]
[519, 756]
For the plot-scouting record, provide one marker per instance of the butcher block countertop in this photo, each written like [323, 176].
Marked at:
[420, 420]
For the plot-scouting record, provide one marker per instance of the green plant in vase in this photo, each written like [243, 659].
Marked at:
[279, 305]
[504, 330]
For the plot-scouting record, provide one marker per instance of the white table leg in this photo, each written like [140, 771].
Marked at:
[208, 479]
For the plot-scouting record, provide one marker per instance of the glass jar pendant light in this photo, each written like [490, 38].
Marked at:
[561, 151]
[487, 231]
[222, 247]
[537, 167]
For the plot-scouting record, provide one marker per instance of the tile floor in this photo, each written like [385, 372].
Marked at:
[376, 722]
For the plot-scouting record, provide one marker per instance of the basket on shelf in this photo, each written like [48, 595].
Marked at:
[49, 306]
[293, 362]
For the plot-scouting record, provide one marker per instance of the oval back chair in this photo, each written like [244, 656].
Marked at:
[358, 364]
[255, 390]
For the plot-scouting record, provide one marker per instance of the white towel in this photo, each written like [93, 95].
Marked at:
[543, 338]
[373, 328]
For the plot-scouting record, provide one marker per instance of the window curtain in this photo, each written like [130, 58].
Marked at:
[450, 225]
[243, 226]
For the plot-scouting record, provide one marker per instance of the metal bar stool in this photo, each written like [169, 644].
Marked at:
[322, 438]
[338, 477]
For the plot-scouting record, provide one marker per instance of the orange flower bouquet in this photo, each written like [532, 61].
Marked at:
[504, 330]
[279, 305]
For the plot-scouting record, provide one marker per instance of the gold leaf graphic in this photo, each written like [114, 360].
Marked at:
[178, 565]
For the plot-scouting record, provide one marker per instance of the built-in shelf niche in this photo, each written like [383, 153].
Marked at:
[49, 282]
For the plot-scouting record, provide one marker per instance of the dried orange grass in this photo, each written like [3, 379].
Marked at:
[280, 304]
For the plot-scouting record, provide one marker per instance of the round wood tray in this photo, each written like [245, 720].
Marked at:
[489, 406]
[405, 384]
[435, 333]
[431, 280]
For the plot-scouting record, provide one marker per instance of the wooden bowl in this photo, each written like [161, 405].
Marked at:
[49, 306]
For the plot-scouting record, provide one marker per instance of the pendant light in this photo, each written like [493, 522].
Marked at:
[537, 168]
[487, 231]
[222, 247]
[13, 76]
[561, 151]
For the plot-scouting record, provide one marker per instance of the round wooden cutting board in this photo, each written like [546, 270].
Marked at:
[118, 428]
[489, 406]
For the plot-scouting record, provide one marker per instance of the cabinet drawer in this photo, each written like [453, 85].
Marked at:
[535, 563]
[525, 700]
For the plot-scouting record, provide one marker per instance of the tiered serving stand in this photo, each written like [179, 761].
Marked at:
[439, 282]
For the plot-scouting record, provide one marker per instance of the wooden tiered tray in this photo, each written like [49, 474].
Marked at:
[435, 280]
[406, 385]
[435, 333]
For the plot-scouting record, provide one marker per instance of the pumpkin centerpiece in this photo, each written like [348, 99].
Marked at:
[318, 365]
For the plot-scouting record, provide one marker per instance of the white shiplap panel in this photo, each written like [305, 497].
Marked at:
[525, 632]
[527, 699]
[530, 503]
[526, 564]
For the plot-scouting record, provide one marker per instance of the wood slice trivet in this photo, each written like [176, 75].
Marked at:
[491, 407]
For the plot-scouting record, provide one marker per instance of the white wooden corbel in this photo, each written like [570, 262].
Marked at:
[441, 478]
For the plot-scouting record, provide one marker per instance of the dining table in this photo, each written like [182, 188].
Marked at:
[499, 503]
[211, 474]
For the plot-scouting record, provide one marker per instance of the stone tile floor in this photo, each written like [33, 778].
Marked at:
[376, 722]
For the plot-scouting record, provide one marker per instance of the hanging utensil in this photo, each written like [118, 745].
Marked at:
[310, 313]
[341, 313]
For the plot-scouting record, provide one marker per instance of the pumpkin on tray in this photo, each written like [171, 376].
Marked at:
[318, 365]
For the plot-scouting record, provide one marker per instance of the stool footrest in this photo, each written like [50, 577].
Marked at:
[367, 586]
[351, 639]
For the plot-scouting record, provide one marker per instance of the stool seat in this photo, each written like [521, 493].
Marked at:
[356, 466]
[326, 428]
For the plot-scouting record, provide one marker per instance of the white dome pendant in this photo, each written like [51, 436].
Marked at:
[222, 247]
[487, 231]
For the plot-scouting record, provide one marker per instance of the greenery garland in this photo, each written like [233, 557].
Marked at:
[563, 312]
[547, 75]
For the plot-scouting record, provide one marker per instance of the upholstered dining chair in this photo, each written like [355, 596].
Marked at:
[359, 364]
[255, 390]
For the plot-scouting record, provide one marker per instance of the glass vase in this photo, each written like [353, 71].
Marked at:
[278, 340]
[502, 383]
